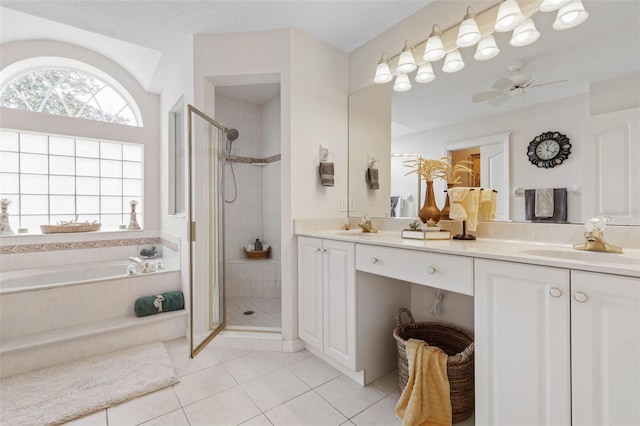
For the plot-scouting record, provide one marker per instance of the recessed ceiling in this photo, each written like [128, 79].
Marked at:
[258, 94]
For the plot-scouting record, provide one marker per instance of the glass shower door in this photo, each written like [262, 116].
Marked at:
[207, 315]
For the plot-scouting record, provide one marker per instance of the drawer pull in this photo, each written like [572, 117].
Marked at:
[580, 297]
[431, 270]
[374, 260]
[555, 292]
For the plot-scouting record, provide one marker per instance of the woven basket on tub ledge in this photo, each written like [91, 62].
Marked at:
[456, 343]
[260, 254]
[69, 228]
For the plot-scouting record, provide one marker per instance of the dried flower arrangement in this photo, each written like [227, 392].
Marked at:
[431, 169]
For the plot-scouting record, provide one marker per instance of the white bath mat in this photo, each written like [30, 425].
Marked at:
[54, 395]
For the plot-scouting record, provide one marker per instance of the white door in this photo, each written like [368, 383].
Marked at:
[340, 302]
[492, 175]
[605, 346]
[522, 344]
[310, 297]
[610, 173]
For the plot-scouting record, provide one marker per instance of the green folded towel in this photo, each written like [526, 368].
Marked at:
[165, 302]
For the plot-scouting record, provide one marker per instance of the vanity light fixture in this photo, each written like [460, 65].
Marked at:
[453, 62]
[487, 48]
[402, 83]
[570, 15]
[407, 63]
[468, 34]
[425, 73]
[524, 34]
[551, 5]
[383, 72]
[509, 16]
[434, 49]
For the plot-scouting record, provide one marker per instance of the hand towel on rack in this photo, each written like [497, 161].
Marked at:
[456, 195]
[372, 178]
[326, 170]
[544, 202]
[487, 205]
[470, 203]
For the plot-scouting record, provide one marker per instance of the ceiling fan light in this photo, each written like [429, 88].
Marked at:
[571, 15]
[509, 16]
[406, 63]
[425, 73]
[383, 73]
[487, 48]
[551, 5]
[434, 49]
[453, 62]
[468, 34]
[402, 83]
[524, 34]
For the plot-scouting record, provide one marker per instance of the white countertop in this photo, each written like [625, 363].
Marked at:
[553, 255]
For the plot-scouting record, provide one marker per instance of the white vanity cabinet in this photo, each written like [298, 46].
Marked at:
[555, 346]
[605, 347]
[326, 297]
[521, 315]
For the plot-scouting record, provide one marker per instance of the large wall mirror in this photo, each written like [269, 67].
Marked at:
[580, 74]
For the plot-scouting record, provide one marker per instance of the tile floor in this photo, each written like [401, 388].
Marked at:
[267, 311]
[254, 388]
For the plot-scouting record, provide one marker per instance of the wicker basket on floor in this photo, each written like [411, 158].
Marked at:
[456, 343]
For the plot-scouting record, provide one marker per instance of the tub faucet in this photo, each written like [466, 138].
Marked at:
[594, 237]
[144, 266]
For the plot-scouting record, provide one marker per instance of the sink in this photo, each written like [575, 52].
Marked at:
[586, 256]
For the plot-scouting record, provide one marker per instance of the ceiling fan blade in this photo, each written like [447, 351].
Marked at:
[486, 96]
[502, 83]
[499, 101]
[547, 83]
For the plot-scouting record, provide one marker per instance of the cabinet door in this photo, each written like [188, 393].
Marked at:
[605, 346]
[310, 291]
[522, 344]
[340, 302]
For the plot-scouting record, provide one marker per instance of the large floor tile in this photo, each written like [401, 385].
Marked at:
[348, 396]
[252, 366]
[313, 371]
[260, 420]
[184, 364]
[288, 358]
[382, 413]
[224, 354]
[273, 389]
[308, 409]
[389, 383]
[143, 409]
[174, 418]
[96, 419]
[202, 384]
[231, 407]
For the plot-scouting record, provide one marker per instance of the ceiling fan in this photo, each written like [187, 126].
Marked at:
[514, 85]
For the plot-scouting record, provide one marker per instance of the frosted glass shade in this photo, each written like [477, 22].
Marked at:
[524, 34]
[406, 63]
[402, 83]
[551, 5]
[487, 49]
[383, 73]
[468, 34]
[509, 16]
[434, 50]
[453, 62]
[570, 15]
[425, 73]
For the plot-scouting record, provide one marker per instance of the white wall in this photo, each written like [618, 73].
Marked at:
[271, 179]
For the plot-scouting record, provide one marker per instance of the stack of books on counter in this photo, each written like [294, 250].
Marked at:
[431, 233]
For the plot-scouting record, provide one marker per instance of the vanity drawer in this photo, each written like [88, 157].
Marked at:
[444, 271]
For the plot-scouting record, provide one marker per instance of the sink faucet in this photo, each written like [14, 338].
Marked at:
[594, 237]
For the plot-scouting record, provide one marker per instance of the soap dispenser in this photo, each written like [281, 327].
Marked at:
[257, 246]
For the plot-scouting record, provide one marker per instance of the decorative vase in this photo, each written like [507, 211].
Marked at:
[133, 222]
[444, 213]
[5, 227]
[429, 210]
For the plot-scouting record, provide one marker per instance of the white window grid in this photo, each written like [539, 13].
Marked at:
[116, 180]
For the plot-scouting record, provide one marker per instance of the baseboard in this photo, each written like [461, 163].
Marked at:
[292, 345]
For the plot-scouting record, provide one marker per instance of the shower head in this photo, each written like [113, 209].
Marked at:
[232, 135]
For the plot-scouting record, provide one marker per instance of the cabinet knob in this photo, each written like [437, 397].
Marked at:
[555, 292]
[374, 260]
[431, 270]
[580, 297]
[318, 250]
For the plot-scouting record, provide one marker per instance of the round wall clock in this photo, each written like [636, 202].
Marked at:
[549, 149]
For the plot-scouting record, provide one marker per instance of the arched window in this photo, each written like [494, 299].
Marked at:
[61, 86]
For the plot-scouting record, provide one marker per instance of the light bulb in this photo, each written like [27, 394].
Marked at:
[453, 62]
[509, 16]
[383, 73]
[551, 5]
[524, 34]
[406, 63]
[434, 49]
[425, 73]
[571, 15]
[487, 48]
[402, 83]
[468, 34]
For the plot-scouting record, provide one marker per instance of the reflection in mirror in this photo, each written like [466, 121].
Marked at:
[405, 188]
[597, 67]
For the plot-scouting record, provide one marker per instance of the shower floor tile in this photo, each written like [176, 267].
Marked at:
[267, 311]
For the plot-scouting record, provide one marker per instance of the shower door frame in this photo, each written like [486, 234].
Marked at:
[191, 235]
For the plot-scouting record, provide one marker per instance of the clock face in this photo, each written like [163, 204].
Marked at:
[549, 149]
